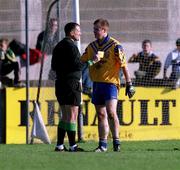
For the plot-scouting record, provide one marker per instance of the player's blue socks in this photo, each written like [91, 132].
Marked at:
[116, 142]
[116, 145]
[103, 143]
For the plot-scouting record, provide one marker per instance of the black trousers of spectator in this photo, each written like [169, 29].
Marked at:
[6, 68]
[151, 71]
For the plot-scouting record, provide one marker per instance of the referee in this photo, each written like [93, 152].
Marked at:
[68, 67]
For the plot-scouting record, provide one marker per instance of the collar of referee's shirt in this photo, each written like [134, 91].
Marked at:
[69, 38]
[104, 41]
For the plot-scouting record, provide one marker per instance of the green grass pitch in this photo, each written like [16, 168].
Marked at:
[144, 155]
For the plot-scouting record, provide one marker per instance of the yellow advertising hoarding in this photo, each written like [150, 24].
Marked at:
[152, 114]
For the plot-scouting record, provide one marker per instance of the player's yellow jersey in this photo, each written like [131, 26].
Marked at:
[107, 69]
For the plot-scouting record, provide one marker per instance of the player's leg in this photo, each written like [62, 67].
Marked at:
[111, 93]
[103, 128]
[111, 106]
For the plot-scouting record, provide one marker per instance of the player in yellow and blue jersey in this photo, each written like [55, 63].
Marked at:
[106, 57]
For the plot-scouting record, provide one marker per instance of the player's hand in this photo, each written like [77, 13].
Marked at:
[130, 90]
[95, 58]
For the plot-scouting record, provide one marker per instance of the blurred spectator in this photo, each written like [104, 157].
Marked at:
[19, 50]
[51, 39]
[8, 63]
[173, 59]
[149, 63]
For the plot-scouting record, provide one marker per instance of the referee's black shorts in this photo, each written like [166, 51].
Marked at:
[68, 92]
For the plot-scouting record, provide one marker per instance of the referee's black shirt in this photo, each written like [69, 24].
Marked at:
[66, 60]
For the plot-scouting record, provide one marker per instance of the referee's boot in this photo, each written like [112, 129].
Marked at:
[60, 148]
[75, 148]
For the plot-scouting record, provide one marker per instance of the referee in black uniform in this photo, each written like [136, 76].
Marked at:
[68, 67]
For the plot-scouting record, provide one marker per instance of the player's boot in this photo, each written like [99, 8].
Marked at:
[117, 148]
[116, 145]
[60, 148]
[100, 149]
